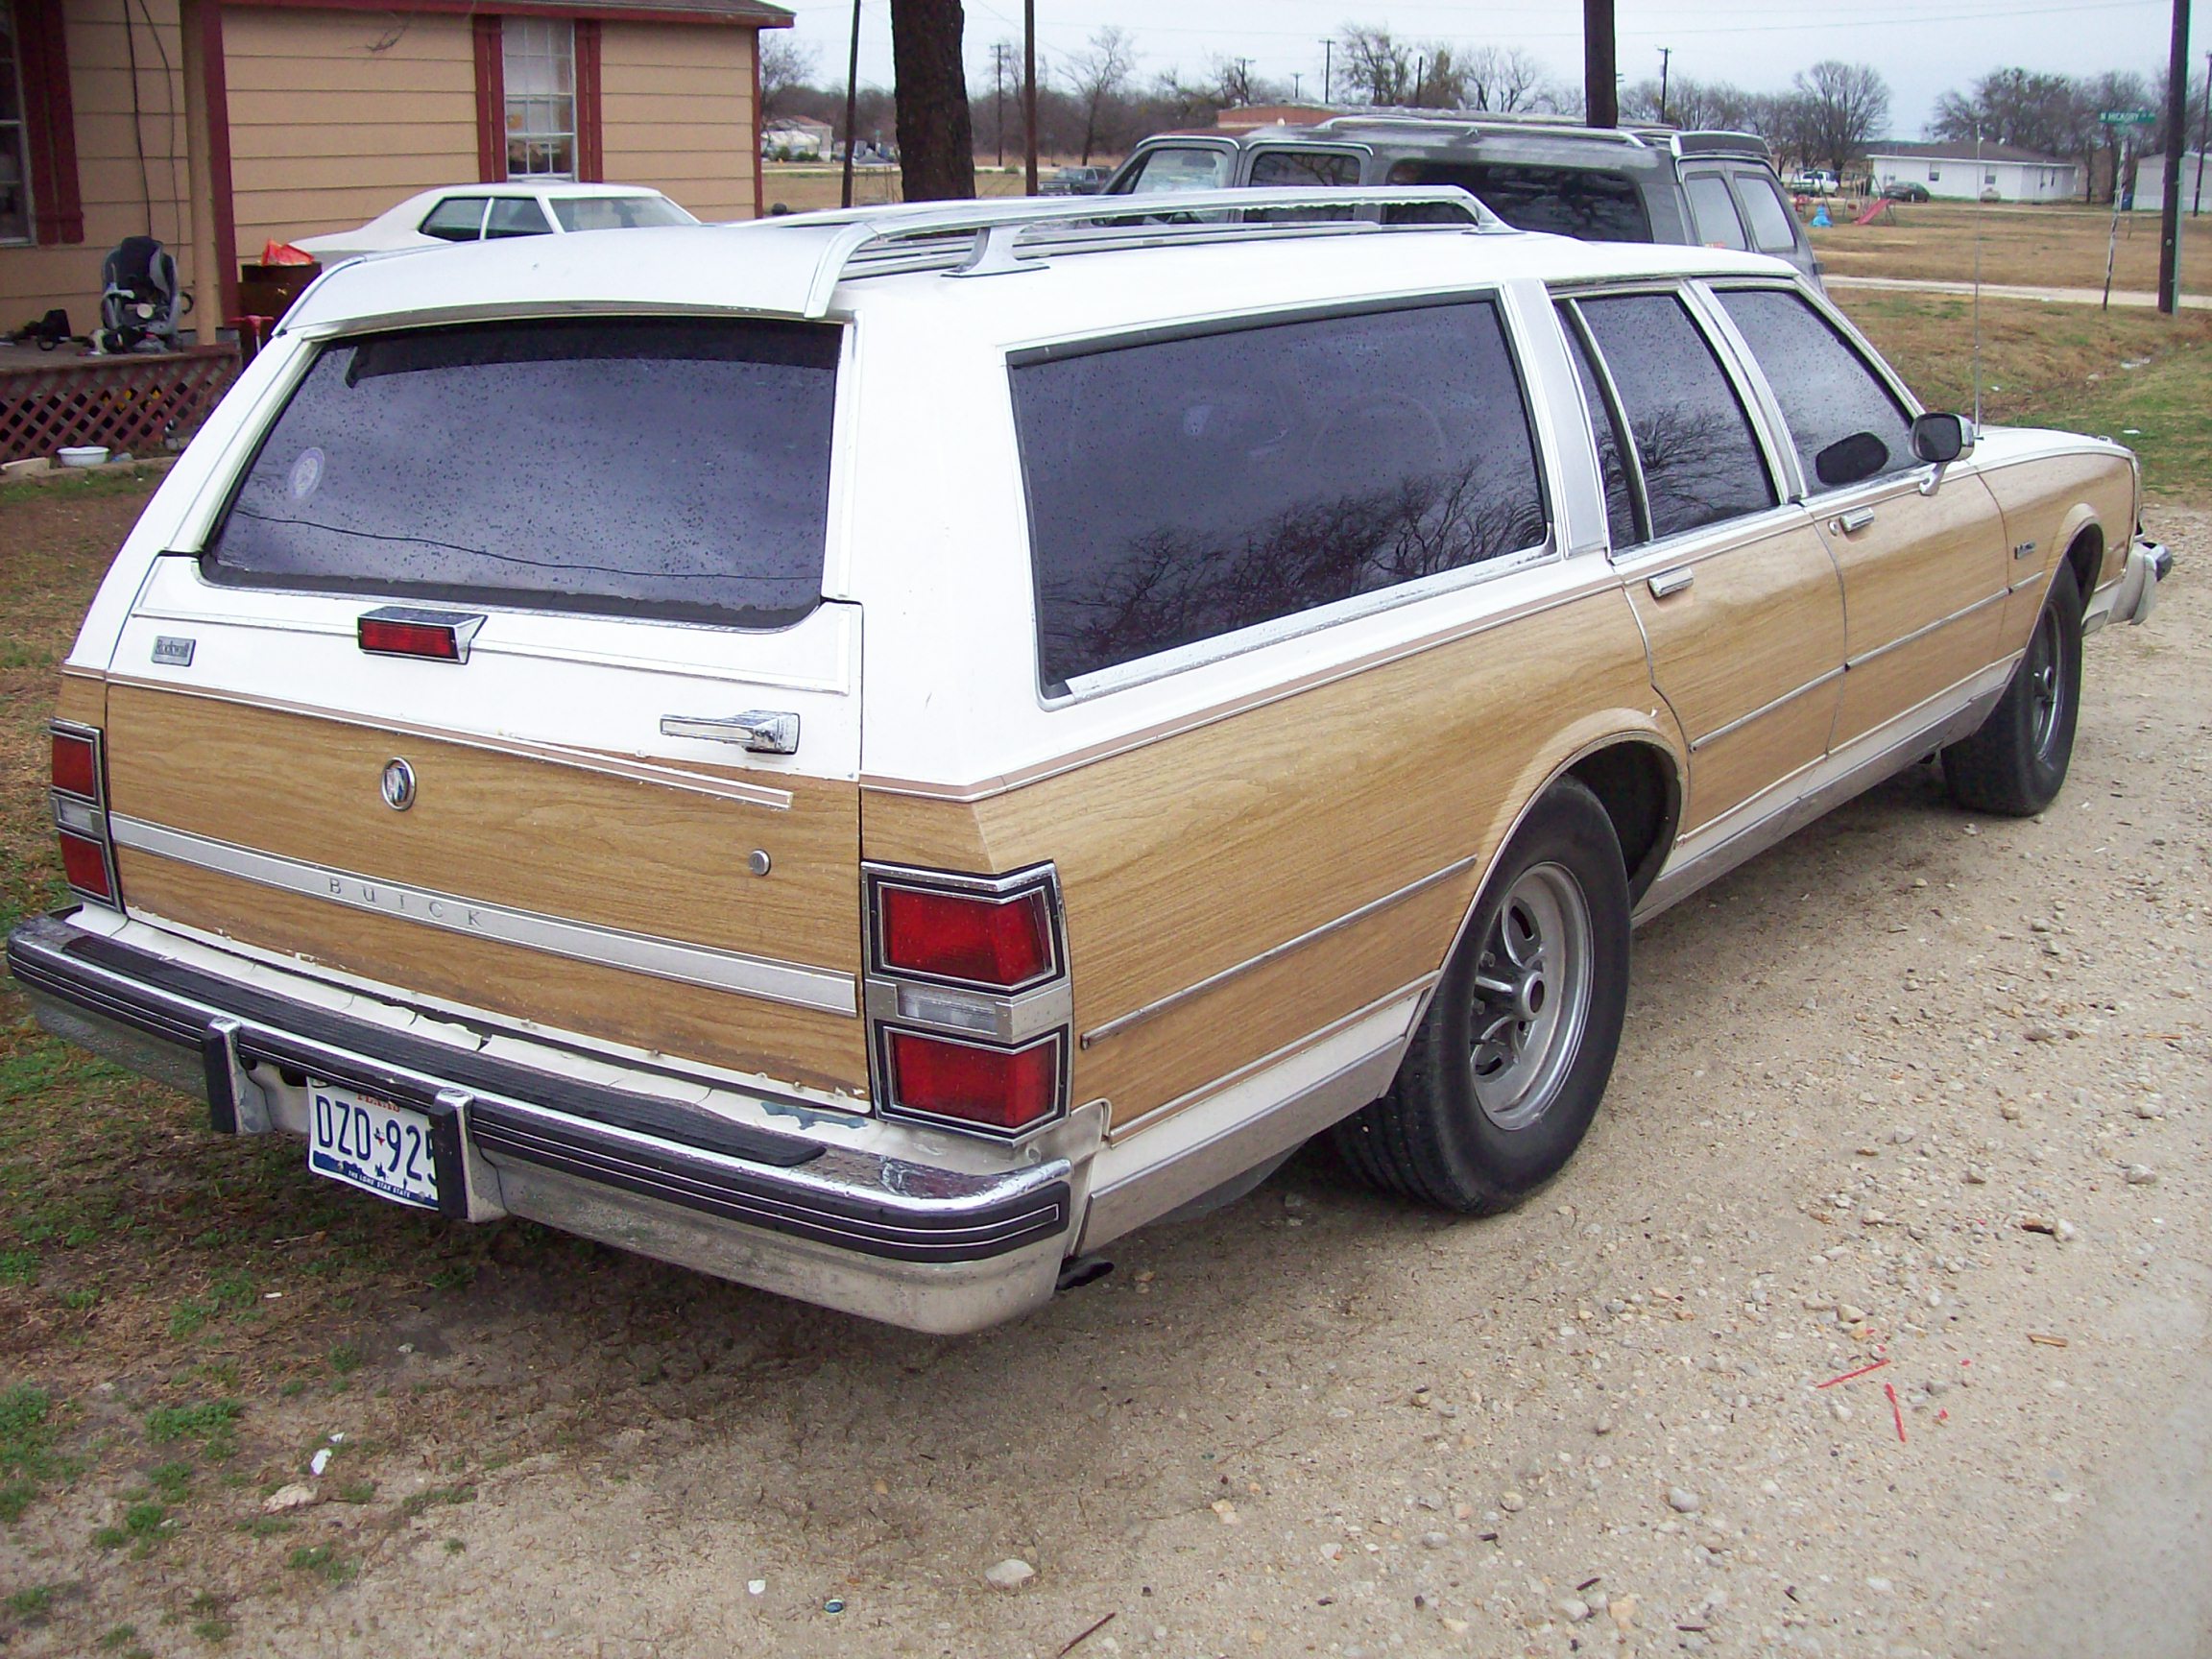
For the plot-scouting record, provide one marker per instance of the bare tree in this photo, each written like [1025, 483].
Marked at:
[1378, 69]
[936, 143]
[1097, 76]
[2020, 106]
[785, 67]
[1840, 106]
[1504, 79]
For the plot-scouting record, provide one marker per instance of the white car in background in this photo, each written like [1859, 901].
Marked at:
[490, 212]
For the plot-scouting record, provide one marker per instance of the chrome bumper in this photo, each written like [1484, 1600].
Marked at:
[910, 1243]
[2135, 593]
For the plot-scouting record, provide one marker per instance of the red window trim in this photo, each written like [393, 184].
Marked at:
[49, 124]
[490, 101]
[591, 152]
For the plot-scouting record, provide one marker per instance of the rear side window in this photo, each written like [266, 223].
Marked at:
[1565, 201]
[1712, 212]
[665, 466]
[1695, 445]
[1826, 390]
[1303, 167]
[1181, 489]
[1772, 230]
[515, 216]
[456, 219]
[617, 212]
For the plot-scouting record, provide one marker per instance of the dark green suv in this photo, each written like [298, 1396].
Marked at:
[1602, 184]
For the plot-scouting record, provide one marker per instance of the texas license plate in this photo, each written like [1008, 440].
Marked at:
[372, 1145]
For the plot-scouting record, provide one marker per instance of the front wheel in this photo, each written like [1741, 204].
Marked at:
[1506, 1069]
[2015, 762]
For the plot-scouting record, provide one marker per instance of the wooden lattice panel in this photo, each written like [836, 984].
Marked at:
[141, 405]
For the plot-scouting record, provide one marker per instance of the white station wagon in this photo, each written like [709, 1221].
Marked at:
[872, 755]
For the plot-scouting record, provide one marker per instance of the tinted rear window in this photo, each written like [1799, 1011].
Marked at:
[1181, 489]
[667, 467]
[1565, 201]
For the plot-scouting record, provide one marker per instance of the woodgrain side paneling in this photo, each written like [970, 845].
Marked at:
[1200, 851]
[506, 829]
[2038, 499]
[82, 697]
[1882, 687]
[685, 1022]
[676, 105]
[1918, 561]
[336, 115]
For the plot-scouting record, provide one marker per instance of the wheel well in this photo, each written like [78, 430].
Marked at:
[2087, 558]
[1636, 785]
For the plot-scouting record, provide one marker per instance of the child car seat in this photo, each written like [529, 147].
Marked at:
[140, 309]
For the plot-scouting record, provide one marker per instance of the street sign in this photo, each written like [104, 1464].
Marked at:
[2128, 118]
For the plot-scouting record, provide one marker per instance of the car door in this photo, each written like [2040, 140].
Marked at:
[1736, 595]
[1925, 572]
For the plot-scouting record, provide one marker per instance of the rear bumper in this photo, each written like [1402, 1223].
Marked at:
[910, 1243]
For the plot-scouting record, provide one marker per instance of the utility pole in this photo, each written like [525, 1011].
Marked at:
[1328, 52]
[1666, 59]
[2204, 141]
[2176, 130]
[1029, 93]
[1600, 90]
[998, 98]
[1420, 76]
[852, 102]
[1296, 88]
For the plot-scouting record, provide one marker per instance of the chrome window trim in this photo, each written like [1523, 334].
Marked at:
[685, 963]
[1631, 465]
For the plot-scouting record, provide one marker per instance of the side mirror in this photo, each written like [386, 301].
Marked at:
[1942, 438]
[1848, 460]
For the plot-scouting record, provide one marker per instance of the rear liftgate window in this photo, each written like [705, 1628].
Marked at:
[1181, 489]
[1565, 201]
[632, 467]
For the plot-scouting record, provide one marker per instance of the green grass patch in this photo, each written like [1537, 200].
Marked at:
[173, 1481]
[268, 1526]
[323, 1561]
[344, 1359]
[420, 1503]
[205, 1421]
[30, 1602]
[26, 1447]
[83, 1297]
[19, 1266]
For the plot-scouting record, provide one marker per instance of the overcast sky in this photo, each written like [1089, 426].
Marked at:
[1923, 47]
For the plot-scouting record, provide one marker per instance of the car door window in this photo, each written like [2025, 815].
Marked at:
[456, 219]
[1772, 228]
[1621, 517]
[1303, 167]
[1181, 167]
[1714, 211]
[1695, 448]
[1827, 391]
[1181, 489]
[515, 216]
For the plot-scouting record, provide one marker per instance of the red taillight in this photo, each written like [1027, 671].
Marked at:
[77, 765]
[992, 1088]
[439, 640]
[84, 861]
[1001, 941]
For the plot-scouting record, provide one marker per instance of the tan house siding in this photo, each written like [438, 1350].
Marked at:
[675, 106]
[336, 115]
[118, 201]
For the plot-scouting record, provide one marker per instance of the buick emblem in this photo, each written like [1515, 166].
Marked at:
[399, 786]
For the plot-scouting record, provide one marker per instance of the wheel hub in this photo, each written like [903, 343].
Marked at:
[1531, 996]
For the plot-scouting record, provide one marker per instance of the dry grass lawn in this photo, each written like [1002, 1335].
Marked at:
[2050, 247]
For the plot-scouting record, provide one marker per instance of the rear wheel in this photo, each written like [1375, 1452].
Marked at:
[1506, 1069]
[2015, 762]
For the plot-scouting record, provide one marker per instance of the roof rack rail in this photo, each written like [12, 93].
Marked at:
[1470, 121]
[929, 234]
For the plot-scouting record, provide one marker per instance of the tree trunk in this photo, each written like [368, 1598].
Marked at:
[936, 145]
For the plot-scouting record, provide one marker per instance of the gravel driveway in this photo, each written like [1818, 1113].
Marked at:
[1871, 1320]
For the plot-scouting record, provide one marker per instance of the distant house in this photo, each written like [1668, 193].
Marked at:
[2150, 183]
[217, 125]
[797, 138]
[1952, 172]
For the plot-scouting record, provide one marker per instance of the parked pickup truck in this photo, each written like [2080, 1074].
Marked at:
[872, 754]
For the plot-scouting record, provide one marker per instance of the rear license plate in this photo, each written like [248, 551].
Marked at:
[372, 1145]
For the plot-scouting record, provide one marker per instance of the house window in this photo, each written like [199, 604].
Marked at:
[539, 60]
[1935, 174]
[1990, 177]
[14, 135]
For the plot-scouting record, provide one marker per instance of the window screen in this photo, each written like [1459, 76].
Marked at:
[661, 466]
[1827, 391]
[1712, 212]
[1567, 201]
[1181, 489]
[1697, 448]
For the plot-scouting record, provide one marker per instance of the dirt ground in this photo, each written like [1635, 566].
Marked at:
[1872, 1319]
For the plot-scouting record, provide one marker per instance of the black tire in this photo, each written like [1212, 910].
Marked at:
[1488, 1105]
[2015, 762]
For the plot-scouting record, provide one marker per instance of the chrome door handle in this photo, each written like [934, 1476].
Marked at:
[1671, 581]
[1851, 523]
[762, 731]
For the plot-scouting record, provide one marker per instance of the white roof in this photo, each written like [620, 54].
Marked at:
[801, 265]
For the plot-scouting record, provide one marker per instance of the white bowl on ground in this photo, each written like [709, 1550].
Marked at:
[83, 455]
